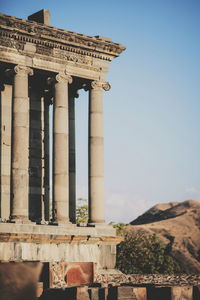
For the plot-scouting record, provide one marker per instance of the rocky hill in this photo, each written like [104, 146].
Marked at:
[178, 225]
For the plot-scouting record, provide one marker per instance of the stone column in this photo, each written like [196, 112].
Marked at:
[20, 149]
[61, 150]
[72, 157]
[96, 153]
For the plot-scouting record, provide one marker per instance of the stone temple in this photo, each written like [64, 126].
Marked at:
[42, 69]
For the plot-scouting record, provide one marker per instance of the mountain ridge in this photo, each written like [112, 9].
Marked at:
[178, 226]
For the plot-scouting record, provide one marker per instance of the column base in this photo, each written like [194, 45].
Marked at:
[101, 228]
[62, 223]
[97, 224]
[20, 220]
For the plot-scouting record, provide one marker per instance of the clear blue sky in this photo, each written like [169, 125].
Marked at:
[152, 113]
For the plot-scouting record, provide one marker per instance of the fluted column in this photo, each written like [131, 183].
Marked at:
[96, 153]
[72, 156]
[61, 150]
[20, 148]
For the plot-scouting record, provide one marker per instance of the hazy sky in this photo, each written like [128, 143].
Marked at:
[152, 123]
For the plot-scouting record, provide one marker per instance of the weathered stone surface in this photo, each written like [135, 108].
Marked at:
[127, 293]
[140, 293]
[40, 289]
[38, 63]
[42, 16]
[82, 293]
[183, 293]
[149, 279]
[71, 274]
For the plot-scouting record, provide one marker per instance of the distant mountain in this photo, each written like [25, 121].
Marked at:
[178, 225]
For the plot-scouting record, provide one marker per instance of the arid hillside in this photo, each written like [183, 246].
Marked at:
[178, 225]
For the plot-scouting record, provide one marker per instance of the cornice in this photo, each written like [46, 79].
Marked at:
[54, 38]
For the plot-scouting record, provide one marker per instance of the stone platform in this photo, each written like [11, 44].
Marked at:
[28, 242]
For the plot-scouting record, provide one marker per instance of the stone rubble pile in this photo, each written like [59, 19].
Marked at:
[148, 279]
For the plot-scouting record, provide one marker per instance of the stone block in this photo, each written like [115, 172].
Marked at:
[5, 180]
[42, 16]
[140, 293]
[5, 202]
[5, 169]
[181, 292]
[5, 189]
[127, 293]
[39, 289]
[71, 274]
[124, 292]
[121, 293]
[82, 293]
[6, 139]
[94, 293]
[108, 256]
[29, 47]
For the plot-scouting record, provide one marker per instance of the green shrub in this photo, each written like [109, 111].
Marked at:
[141, 253]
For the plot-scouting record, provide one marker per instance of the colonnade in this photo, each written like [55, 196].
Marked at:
[63, 149]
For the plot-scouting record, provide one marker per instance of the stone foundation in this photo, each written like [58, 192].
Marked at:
[20, 242]
[122, 293]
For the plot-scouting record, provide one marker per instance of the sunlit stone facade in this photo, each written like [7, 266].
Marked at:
[42, 69]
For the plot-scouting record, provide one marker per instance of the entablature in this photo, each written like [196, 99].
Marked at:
[43, 46]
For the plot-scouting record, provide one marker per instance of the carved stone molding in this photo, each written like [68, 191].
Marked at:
[63, 78]
[56, 45]
[23, 70]
[96, 85]
[11, 43]
[35, 30]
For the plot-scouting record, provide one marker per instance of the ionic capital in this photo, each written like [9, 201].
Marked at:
[63, 78]
[23, 70]
[97, 85]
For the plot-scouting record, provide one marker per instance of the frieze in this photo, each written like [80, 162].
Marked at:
[40, 49]
[60, 61]
[82, 59]
[11, 43]
[50, 48]
[51, 34]
[53, 49]
[41, 59]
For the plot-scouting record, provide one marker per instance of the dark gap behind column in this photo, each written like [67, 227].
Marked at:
[46, 159]
[0, 153]
[35, 152]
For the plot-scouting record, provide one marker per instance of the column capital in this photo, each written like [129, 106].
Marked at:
[63, 78]
[97, 85]
[23, 70]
